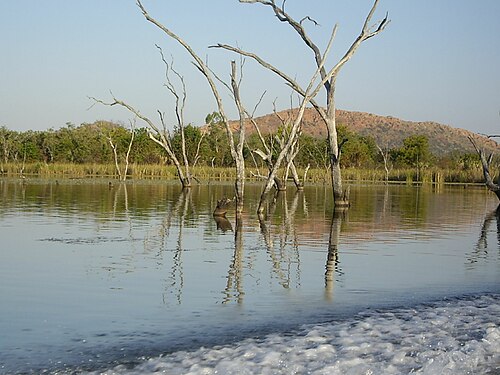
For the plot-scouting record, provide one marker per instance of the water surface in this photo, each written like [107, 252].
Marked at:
[139, 277]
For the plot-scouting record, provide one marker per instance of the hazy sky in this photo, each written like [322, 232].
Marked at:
[438, 60]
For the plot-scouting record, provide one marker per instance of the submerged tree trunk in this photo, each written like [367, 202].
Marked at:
[340, 196]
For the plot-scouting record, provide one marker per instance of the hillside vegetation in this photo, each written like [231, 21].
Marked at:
[387, 131]
[415, 146]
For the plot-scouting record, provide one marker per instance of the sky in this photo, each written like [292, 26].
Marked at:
[437, 60]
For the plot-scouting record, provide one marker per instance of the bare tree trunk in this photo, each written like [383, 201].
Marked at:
[309, 95]
[122, 177]
[488, 180]
[127, 155]
[115, 154]
[385, 156]
[239, 184]
[336, 174]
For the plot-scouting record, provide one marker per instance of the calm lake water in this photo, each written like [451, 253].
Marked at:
[140, 278]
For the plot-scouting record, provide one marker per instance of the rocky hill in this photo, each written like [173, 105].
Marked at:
[387, 131]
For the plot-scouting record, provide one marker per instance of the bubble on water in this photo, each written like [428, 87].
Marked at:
[454, 337]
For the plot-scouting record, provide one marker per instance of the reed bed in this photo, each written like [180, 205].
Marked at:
[206, 173]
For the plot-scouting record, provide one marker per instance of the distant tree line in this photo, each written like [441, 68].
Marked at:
[89, 143]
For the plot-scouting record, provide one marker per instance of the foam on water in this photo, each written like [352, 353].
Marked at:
[460, 336]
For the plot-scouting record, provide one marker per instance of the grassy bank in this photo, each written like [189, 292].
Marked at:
[137, 172]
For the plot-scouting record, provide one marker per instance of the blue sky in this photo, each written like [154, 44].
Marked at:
[438, 60]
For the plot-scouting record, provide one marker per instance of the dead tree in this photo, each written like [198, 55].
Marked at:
[308, 96]
[485, 162]
[328, 115]
[385, 157]
[272, 146]
[290, 157]
[180, 103]
[160, 136]
[236, 148]
[107, 133]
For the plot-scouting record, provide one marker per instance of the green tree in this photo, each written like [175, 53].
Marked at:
[414, 152]
[144, 150]
[8, 144]
[218, 150]
[357, 151]
[194, 147]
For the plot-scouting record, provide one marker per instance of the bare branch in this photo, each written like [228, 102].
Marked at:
[282, 120]
[258, 103]
[290, 81]
[297, 26]
[161, 138]
[197, 155]
[200, 65]
[236, 151]
[262, 154]
[365, 34]
[130, 108]
[180, 103]
[258, 175]
[309, 19]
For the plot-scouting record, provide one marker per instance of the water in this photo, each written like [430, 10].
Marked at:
[140, 278]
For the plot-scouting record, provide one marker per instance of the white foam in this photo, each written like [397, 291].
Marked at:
[456, 337]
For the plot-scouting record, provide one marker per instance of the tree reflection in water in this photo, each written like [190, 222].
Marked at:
[179, 209]
[281, 258]
[278, 238]
[332, 261]
[234, 286]
[480, 251]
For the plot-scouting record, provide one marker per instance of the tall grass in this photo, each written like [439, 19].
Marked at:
[206, 173]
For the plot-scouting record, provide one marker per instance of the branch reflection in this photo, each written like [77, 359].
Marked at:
[179, 209]
[280, 240]
[281, 258]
